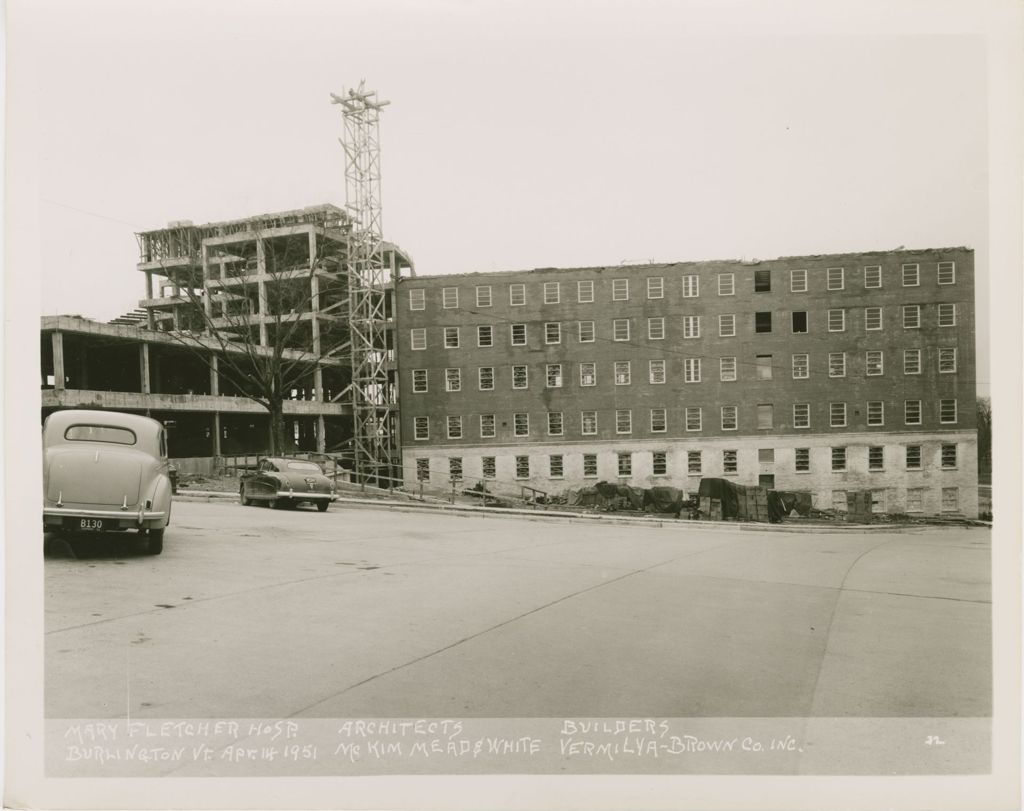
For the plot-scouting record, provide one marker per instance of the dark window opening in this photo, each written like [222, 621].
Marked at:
[763, 322]
[800, 322]
[762, 281]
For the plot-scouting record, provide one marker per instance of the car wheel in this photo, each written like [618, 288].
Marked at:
[155, 541]
[272, 503]
[323, 505]
[245, 502]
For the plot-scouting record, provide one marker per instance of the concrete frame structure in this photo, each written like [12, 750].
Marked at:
[825, 374]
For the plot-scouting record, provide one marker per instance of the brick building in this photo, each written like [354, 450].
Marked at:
[824, 374]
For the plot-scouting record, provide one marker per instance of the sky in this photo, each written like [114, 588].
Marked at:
[519, 134]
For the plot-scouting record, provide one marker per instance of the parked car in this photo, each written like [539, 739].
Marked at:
[280, 482]
[105, 471]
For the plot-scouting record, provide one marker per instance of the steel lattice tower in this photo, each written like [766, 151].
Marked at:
[374, 406]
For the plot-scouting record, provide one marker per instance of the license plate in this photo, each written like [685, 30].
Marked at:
[90, 524]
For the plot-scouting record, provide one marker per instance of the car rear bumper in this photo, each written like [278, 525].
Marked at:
[120, 519]
[304, 495]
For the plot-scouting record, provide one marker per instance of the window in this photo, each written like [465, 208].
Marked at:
[586, 331]
[872, 318]
[521, 424]
[555, 423]
[765, 416]
[947, 359]
[727, 369]
[763, 367]
[585, 291]
[947, 411]
[950, 499]
[620, 289]
[623, 421]
[590, 465]
[552, 332]
[911, 275]
[799, 321]
[517, 295]
[801, 415]
[691, 326]
[522, 467]
[947, 315]
[453, 380]
[913, 457]
[726, 325]
[691, 286]
[656, 329]
[729, 418]
[948, 456]
[622, 373]
[947, 272]
[659, 463]
[518, 332]
[839, 501]
[837, 364]
[656, 371]
[912, 412]
[762, 281]
[876, 457]
[729, 462]
[455, 428]
[873, 276]
[588, 374]
[419, 381]
[801, 367]
[487, 426]
[838, 459]
[915, 500]
[837, 415]
[423, 470]
[836, 278]
[490, 467]
[485, 336]
[450, 297]
[659, 420]
[726, 284]
[766, 456]
[837, 320]
[483, 295]
[418, 338]
[876, 412]
[485, 376]
[693, 463]
[620, 329]
[763, 322]
[553, 375]
[588, 423]
[798, 281]
[802, 460]
[911, 361]
[421, 427]
[556, 468]
[552, 292]
[693, 418]
[455, 468]
[873, 365]
[911, 316]
[691, 370]
[451, 337]
[625, 464]
[655, 287]
[520, 377]
[417, 298]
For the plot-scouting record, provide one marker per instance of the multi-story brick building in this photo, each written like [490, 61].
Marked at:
[817, 373]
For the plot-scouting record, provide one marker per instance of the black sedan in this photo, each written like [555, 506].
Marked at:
[287, 482]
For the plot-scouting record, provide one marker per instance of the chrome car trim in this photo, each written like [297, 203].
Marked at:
[74, 513]
[304, 495]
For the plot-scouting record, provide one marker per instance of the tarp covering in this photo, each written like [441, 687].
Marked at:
[801, 502]
[749, 503]
[663, 500]
[620, 496]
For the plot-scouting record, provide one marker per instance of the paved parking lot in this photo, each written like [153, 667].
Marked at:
[364, 612]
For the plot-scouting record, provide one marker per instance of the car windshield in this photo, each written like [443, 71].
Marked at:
[100, 433]
[308, 466]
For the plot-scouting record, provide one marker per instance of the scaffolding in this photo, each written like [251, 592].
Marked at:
[375, 441]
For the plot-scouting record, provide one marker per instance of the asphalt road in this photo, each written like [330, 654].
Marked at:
[363, 612]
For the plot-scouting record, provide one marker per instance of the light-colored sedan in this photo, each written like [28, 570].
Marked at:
[280, 482]
[105, 471]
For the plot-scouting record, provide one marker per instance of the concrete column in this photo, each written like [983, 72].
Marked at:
[58, 360]
[144, 367]
[318, 384]
[216, 433]
[149, 284]
[215, 376]
[207, 301]
[261, 269]
[321, 440]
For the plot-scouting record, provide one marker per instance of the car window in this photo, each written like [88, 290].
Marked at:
[310, 466]
[100, 433]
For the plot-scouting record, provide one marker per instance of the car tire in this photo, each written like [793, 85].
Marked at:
[245, 502]
[323, 505]
[272, 503]
[155, 541]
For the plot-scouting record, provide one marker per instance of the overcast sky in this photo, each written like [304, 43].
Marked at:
[519, 135]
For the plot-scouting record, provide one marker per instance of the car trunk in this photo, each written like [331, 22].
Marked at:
[76, 475]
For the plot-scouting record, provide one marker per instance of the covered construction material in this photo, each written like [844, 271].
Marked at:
[721, 499]
[610, 496]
